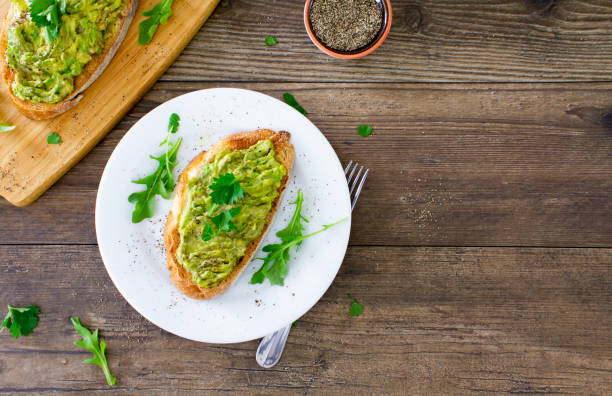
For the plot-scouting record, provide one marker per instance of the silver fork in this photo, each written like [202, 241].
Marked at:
[271, 346]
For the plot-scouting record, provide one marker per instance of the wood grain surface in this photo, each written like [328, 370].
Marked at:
[452, 164]
[430, 40]
[481, 245]
[29, 166]
[441, 321]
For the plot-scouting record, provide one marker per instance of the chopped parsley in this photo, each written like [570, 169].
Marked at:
[364, 130]
[270, 41]
[20, 321]
[54, 138]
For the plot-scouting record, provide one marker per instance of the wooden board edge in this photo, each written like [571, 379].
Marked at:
[30, 196]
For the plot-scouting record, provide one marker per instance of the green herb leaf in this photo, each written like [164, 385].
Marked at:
[208, 233]
[290, 100]
[223, 220]
[270, 41]
[92, 343]
[160, 182]
[356, 308]
[47, 14]
[159, 14]
[294, 228]
[20, 321]
[5, 127]
[274, 265]
[54, 138]
[226, 189]
[294, 324]
[173, 123]
[364, 130]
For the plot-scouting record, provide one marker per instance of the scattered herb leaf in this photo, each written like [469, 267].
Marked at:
[159, 14]
[290, 100]
[274, 265]
[20, 321]
[226, 189]
[160, 182]
[356, 308]
[5, 127]
[223, 220]
[47, 14]
[54, 138]
[364, 130]
[270, 41]
[294, 324]
[92, 343]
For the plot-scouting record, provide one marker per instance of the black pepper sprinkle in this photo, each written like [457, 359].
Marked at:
[345, 25]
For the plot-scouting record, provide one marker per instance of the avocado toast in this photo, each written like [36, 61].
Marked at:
[45, 75]
[261, 161]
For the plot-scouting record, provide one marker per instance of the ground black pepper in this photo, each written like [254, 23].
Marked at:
[345, 24]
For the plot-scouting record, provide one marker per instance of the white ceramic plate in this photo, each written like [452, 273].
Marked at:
[134, 254]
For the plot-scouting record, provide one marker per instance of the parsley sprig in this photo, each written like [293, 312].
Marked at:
[47, 14]
[159, 14]
[225, 190]
[160, 182]
[274, 265]
[93, 344]
[20, 321]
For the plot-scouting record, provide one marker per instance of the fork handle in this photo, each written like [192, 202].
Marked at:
[271, 347]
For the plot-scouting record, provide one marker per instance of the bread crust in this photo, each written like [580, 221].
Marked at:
[181, 277]
[91, 71]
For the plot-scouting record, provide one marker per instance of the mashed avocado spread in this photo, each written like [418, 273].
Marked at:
[260, 175]
[45, 69]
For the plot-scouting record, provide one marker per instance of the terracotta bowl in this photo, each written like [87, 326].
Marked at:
[359, 52]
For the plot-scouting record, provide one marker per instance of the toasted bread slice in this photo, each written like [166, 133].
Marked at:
[91, 71]
[181, 277]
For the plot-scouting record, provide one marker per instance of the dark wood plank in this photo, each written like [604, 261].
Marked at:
[453, 165]
[436, 321]
[430, 40]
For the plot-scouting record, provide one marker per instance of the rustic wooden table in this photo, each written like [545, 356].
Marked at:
[481, 245]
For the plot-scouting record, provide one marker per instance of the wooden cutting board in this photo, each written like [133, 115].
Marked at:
[29, 166]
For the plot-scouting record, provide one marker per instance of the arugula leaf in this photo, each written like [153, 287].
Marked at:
[20, 321]
[160, 182]
[53, 138]
[223, 220]
[270, 40]
[208, 233]
[159, 14]
[290, 100]
[295, 227]
[274, 265]
[356, 308]
[47, 14]
[226, 190]
[5, 127]
[93, 344]
[364, 130]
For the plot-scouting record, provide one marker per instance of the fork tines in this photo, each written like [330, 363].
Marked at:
[355, 180]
